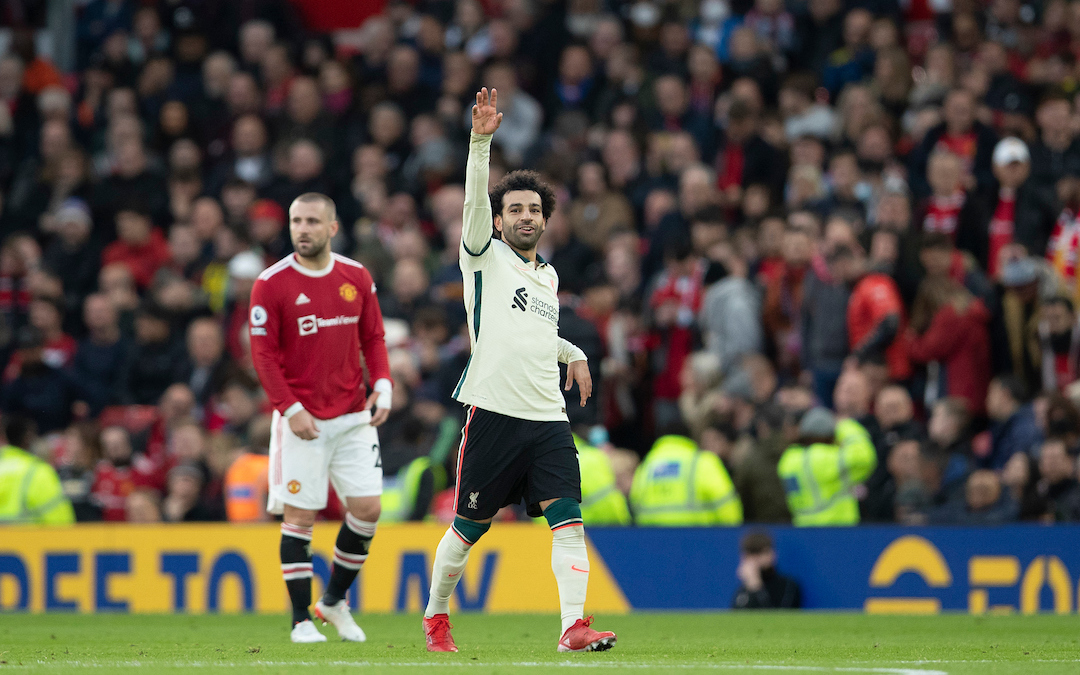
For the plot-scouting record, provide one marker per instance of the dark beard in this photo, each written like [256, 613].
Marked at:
[315, 253]
[511, 238]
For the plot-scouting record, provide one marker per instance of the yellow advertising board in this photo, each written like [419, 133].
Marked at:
[229, 568]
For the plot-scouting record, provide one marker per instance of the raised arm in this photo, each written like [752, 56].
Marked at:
[857, 450]
[476, 220]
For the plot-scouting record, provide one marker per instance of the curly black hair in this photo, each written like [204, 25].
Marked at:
[523, 180]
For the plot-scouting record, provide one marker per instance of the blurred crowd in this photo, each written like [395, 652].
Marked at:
[763, 207]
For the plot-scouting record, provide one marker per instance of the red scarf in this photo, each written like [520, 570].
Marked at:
[919, 10]
[14, 294]
[687, 292]
[943, 213]
[731, 166]
[1002, 227]
[1063, 247]
[963, 146]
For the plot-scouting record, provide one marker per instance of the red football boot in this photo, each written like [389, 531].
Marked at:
[581, 638]
[437, 629]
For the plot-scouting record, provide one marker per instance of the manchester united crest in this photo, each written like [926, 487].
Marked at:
[294, 486]
[348, 292]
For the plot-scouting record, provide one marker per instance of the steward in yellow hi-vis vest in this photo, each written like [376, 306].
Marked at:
[30, 491]
[678, 485]
[601, 501]
[403, 492]
[819, 474]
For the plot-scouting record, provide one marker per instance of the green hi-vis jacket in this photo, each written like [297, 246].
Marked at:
[601, 501]
[819, 480]
[678, 485]
[30, 491]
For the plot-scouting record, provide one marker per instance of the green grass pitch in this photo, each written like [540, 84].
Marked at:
[759, 643]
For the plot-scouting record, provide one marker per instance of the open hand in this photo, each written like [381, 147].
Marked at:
[578, 371]
[485, 119]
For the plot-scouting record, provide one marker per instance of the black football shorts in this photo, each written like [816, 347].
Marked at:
[503, 460]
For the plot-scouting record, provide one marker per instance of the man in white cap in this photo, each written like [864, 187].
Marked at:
[244, 269]
[1022, 212]
[73, 255]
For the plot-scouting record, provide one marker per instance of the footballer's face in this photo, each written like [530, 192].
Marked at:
[311, 227]
[522, 219]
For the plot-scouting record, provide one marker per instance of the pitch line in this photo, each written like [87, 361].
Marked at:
[868, 670]
[954, 661]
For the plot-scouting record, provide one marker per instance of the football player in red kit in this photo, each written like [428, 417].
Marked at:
[312, 315]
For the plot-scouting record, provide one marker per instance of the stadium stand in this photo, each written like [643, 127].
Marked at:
[764, 207]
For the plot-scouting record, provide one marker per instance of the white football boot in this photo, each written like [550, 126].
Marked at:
[305, 631]
[341, 618]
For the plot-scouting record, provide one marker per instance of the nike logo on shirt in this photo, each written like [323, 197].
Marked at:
[578, 569]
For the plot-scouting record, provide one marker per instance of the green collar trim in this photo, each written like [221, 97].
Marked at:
[539, 258]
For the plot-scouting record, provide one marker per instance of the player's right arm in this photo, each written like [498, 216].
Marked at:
[264, 325]
[476, 219]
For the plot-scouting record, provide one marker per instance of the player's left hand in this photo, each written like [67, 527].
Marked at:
[578, 371]
[378, 415]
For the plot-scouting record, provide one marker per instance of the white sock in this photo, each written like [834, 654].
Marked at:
[570, 563]
[450, 559]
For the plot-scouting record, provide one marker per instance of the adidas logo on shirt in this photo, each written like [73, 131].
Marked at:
[302, 299]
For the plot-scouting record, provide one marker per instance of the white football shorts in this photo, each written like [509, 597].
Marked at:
[346, 454]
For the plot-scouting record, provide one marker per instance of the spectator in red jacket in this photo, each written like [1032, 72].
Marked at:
[675, 302]
[875, 312]
[175, 406]
[141, 247]
[955, 333]
[118, 474]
